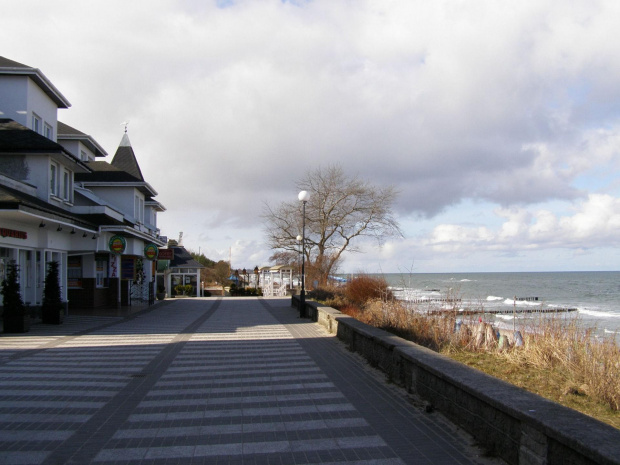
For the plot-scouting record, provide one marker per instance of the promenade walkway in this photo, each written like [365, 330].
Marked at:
[207, 381]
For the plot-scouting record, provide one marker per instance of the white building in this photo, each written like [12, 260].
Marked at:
[58, 202]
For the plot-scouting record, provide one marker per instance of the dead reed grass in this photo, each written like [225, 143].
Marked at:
[589, 366]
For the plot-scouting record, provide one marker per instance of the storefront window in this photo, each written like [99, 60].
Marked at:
[101, 271]
[128, 268]
[4, 259]
[74, 271]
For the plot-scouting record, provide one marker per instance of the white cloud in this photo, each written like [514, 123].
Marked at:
[595, 223]
[456, 103]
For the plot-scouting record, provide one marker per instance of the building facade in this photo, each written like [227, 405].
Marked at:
[59, 201]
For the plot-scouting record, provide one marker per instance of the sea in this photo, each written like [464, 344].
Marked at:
[515, 300]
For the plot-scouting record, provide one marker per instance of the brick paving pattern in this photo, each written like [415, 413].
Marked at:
[206, 381]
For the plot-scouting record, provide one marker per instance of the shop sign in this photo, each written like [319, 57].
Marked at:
[5, 232]
[117, 244]
[165, 254]
[150, 251]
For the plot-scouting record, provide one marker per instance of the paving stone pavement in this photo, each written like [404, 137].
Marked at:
[207, 381]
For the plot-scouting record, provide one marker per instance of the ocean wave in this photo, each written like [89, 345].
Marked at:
[492, 297]
[527, 303]
[504, 317]
[598, 314]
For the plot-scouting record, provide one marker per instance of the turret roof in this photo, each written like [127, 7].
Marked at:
[125, 159]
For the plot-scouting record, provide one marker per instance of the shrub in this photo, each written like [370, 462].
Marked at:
[52, 301]
[182, 289]
[321, 294]
[364, 288]
[14, 310]
[331, 296]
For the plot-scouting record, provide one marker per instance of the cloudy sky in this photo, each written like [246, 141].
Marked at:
[498, 122]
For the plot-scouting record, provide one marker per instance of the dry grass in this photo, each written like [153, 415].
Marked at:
[558, 360]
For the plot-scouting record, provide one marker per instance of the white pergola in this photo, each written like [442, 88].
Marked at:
[276, 280]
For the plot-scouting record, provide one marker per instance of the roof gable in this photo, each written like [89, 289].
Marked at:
[66, 132]
[10, 67]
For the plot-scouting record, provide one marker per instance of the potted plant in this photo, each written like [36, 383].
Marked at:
[15, 317]
[161, 292]
[52, 310]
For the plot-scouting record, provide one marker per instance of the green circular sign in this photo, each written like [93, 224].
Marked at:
[117, 244]
[151, 251]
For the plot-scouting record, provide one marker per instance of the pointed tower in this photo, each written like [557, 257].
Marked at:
[125, 159]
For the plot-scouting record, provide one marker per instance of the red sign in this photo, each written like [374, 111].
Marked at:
[4, 232]
[165, 254]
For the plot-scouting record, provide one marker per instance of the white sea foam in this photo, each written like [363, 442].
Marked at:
[598, 314]
[529, 303]
[504, 317]
[492, 297]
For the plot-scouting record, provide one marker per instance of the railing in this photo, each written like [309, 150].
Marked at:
[270, 290]
[141, 293]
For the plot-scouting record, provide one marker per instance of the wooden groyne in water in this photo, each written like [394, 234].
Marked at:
[506, 311]
[423, 301]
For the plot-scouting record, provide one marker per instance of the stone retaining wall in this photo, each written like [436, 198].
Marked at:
[516, 425]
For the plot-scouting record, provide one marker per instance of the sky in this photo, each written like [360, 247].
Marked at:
[497, 122]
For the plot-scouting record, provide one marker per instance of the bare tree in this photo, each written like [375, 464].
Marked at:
[340, 211]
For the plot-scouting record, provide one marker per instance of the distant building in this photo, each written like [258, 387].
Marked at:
[182, 269]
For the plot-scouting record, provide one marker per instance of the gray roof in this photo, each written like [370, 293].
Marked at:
[16, 138]
[125, 159]
[66, 132]
[183, 259]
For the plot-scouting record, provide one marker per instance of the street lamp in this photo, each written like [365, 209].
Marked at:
[300, 258]
[303, 198]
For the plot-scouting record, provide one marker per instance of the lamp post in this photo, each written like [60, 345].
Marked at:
[300, 259]
[303, 198]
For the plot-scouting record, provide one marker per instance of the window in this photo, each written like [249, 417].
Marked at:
[101, 271]
[139, 209]
[83, 155]
[48, 131]
[74, 271]
[36, 123]
[54, 179]
[67, 185]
